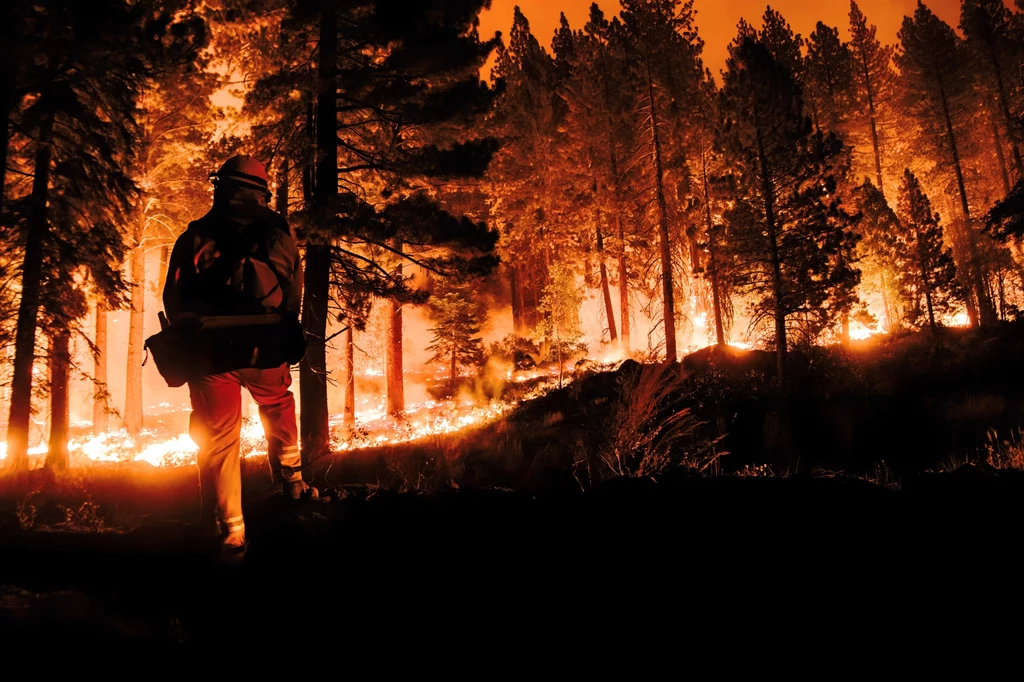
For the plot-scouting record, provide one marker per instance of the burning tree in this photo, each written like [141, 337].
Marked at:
[560, 306]
[873, 85]
[400, 87]
[786, 229]
[457, 317]
[82, 91]
[667, 73]
[933, 80]
[926, 263]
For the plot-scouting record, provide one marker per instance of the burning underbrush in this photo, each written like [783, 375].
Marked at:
[169, 444]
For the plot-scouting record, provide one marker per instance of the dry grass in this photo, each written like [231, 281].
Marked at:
[651, 430]
[1005, 453]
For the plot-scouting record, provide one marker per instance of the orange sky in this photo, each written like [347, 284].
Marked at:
[717, 18]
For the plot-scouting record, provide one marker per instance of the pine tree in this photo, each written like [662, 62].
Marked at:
[881, 274]
[665, 55]
[521, 190]
[402, 85]
[171, 170]
[457, 316]
[560, 303]
[829, 78]
[926, 263]
[873, 82]
[995, 45]
[92, 61]
[607, 60]
[932, 76]
[787, 230]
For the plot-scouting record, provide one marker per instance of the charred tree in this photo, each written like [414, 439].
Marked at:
[624, 310]
[315, 427]
[994, 38]
[349, 405]
[100, 395]
[136, 331]
[60, 366]
[665, 248]
[930, 66]
[28, 309]
[872, 77]
[606, 293]
[394, 371]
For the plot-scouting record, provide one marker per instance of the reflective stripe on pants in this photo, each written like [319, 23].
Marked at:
[215, 425]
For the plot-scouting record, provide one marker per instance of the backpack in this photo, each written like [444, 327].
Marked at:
[240, 297]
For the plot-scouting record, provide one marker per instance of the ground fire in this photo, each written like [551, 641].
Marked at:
[298, 293]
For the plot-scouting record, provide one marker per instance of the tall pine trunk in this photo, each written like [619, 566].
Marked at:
[623, 289]
[1009, 120]
[666, 251]
[100, 412]
[349, 406]
[281, 195]
[518, 323]
[28, 308]
[997, 143]
[716, 292]
[454, 369]
[60, 365]
[6, 107]
[985, 314]
[394, 371]
[136, 335]
[873, 118]
[613, 335]
[315, 427]
[925, 279]
[768, 192]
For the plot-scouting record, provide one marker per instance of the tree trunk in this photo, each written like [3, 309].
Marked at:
[623, 271]
[623, 289]
[6, 107]
[28, 308]
[314, 417]
[613, 335]
[985, 313]
[716, 296]
[666, 252]
[872, 116]
[315, 426]
[60, 365]
[997, 142]
[349, 416]
[455, 366]
[100, 412]
[281, 195]
[136, 333]
[767, 190]
[393, 368]
[165, 263]
[1008, 119]
[518, 326]
[925, 279]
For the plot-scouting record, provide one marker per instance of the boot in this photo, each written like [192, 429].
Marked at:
[300, 490]
[232, 549]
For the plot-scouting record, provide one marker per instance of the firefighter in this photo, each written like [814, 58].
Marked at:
[237, 262]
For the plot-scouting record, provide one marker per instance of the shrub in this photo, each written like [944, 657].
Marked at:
[651, 430]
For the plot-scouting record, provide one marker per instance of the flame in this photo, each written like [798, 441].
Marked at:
[373, 428]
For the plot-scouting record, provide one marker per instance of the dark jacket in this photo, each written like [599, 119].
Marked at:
[234, 261]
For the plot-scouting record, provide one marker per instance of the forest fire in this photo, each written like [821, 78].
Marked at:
[163, 448]
[373, 429]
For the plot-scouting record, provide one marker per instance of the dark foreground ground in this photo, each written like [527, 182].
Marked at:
[623, 565]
